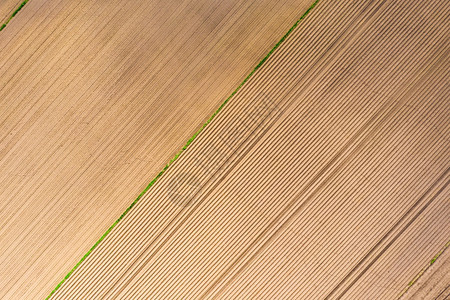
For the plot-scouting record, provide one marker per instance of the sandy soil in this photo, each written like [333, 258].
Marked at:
[95, 98]
[325, 177]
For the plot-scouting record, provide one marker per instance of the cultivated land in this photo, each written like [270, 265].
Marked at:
[434, 284]
[7, 8]
[95, 98]
[325, 177]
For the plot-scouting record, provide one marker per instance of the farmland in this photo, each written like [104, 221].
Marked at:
[433, 283]
[325, 174]
[8, 9]
[96, 97]
[328, 168]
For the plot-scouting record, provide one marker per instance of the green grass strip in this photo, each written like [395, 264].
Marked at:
[13, 14]
[417, 277]
[185, 146]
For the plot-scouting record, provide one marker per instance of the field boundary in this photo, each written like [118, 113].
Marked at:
[184, 147]
[13, 14]
[424, 269]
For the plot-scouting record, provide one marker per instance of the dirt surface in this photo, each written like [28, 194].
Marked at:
[434, 283]
[7, 7]
[95, 98]
[325, 177]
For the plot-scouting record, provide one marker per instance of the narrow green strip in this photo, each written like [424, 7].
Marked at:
[185, 146]
[417, 277]
[13, 14]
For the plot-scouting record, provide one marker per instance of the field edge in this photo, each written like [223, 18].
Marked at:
[423, 270]
[184, 147]
[13, 14]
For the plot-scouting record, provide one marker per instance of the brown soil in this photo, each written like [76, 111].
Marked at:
[325, 177]
[7, 7]
[95, 98]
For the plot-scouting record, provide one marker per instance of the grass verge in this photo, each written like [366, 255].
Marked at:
[185, 146]
[414, 280]
[13, 14]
